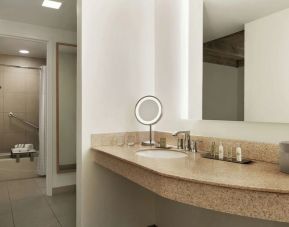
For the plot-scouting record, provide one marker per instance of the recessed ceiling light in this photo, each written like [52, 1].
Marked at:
[51, 4]
[24, 51]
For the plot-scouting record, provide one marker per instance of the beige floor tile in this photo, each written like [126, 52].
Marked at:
[5, 207]
[41, 182]
[67, 221]
[33, 211]
[30, 208]
[23, 189]
[64, 207]
[63, 204]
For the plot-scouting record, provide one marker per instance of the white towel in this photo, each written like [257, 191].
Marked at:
[19, 150]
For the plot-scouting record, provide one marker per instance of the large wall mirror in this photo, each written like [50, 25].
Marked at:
[245, 60]
[66, 71]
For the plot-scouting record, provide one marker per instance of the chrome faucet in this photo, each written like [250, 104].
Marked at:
[186, 143]
[195, 146]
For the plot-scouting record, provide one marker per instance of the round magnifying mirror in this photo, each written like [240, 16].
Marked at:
[148, 111]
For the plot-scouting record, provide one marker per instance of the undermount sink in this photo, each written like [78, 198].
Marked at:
[161, 153]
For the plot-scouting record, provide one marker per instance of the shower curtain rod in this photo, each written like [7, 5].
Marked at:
[21, 67]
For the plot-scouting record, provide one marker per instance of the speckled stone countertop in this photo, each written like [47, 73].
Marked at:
[258, 176]
[256, 190]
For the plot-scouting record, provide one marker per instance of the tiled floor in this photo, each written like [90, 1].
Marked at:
[24, 204]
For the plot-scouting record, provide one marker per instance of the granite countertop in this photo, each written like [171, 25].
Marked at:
[258, 176]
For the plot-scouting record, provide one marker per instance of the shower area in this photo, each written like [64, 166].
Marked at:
[22, 94]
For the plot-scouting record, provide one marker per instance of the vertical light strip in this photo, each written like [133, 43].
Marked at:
[185, 16]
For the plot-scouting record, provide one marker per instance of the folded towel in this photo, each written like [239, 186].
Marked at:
[19, 150]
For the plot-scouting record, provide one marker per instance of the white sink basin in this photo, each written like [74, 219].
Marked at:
[161, 153]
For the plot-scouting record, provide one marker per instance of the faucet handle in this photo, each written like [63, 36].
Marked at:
[180, 143]
[195, 144]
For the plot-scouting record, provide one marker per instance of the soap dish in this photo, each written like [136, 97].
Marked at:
[216, 157]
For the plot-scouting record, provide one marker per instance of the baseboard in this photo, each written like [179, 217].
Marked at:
[68, 188]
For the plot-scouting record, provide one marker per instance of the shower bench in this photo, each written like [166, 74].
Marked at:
[17, 154]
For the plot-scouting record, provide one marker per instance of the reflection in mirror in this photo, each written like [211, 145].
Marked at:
[66, 107]
[148, 111]
[244, 53]
[223, 76]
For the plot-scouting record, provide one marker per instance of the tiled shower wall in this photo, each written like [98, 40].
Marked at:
[19, 93]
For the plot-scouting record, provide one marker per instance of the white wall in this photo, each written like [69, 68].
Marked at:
[223, 92]
[168, 34]
[266, 77]
[179, 58]
[50, 36]
[118, 63]
[117, 69]
[179, 34]
[195, 59]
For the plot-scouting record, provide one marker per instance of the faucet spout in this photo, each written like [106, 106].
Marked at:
[187, 141]
[180, 132]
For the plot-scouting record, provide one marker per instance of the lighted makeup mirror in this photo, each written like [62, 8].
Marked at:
[148, 111]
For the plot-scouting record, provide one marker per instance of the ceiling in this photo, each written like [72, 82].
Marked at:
[221, 17]
[11, 46]
[224, 17]
[32, 12]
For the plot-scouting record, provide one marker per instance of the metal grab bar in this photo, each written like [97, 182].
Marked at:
[11, 115]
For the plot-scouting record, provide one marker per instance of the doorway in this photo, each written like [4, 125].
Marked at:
[22, 108]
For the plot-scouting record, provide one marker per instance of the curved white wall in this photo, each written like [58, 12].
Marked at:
[132, 48]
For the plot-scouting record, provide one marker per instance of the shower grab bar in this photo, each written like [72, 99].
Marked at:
[11, 115]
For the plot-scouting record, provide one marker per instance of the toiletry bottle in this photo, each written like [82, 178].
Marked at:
[221, 151]
[239, 153]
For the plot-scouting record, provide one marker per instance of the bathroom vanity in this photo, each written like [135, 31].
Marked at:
[258, 190]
